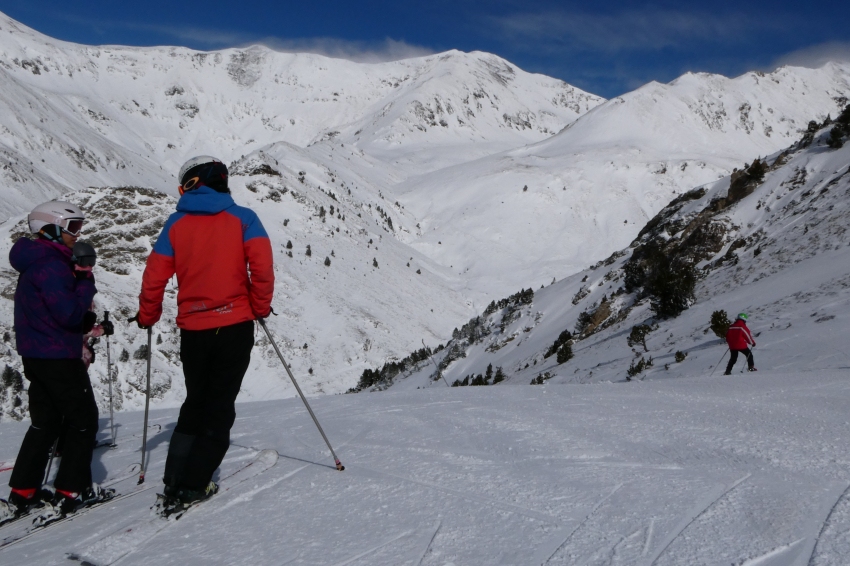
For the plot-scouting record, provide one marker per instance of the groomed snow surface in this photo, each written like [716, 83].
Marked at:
[749, 469]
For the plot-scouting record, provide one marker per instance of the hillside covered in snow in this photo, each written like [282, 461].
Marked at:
[770, 240]
[401, 198]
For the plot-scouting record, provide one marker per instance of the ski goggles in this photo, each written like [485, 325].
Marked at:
[189, 184]
[72, 226]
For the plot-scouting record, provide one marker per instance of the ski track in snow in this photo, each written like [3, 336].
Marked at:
[373, 549]
[428, 539]
[546, 552]
[819, 523]
[413, 495]
[530, 513]
[697, 510]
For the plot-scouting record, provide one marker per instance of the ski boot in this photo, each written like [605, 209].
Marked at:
[176, 500]
[64, 503]
[18, 504]
[752, 369]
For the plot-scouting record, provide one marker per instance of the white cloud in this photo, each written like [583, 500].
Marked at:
[359, 51]
[816, 56]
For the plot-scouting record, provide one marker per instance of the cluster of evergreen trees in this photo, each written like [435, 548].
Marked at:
[562, 347]
[523, 297]
[385, 375]
[667, 278]
[488, 378]
[840, 130]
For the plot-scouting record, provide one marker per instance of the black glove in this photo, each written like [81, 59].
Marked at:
[108, 328]
[138, 323]
[83, 273]
[89, 319]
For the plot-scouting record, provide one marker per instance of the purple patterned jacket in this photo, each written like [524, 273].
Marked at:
[49, 301]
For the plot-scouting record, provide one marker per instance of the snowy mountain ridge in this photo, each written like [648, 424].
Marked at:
[422, 223]
[118, 116]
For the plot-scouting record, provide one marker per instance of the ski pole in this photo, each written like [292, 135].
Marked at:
[147, 405]
[718, 363]
[435, 365]
[50, 462]
[109, 379]
[339, 465]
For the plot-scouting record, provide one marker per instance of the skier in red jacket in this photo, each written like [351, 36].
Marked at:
[222, 257]
[739, 339]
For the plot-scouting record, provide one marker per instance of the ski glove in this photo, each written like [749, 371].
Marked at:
[89, 319]
[82, 272]
[137, 321]
[108, 328]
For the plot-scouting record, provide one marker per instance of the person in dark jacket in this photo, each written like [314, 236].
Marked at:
[222, 257]
[739, 339]
[52, 301]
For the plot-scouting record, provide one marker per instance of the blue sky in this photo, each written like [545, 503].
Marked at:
[606, 48]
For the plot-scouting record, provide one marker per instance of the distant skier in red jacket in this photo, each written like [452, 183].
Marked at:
[739, 339]
[222, 257]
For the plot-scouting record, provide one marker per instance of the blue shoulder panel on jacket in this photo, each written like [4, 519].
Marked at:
[251, 225]
[163, 244]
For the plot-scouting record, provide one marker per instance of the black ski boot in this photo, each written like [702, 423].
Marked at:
[177, 500]
[63, 504]
[16, 506]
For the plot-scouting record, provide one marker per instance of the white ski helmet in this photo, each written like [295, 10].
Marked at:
[203, 170]
[68, 217]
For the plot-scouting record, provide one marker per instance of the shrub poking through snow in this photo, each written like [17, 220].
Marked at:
[638, 368]
[638, 335]
[719, 323]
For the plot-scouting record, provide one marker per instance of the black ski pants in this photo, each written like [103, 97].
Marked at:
[733, 357]
[214, 363]
[60, 397]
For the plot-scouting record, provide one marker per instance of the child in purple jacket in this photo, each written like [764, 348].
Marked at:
[52, 300]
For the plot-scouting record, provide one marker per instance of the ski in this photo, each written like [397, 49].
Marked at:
[6, 466]
[128, 473]
[115, 546]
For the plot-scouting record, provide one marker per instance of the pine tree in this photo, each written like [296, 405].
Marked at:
[500, 375]
[835, 140]
[638, 335]
[488, 375]
[309, 251]
[327, 262]
[565, 353]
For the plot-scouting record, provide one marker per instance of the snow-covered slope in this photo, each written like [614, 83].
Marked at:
[423, 160]
[777, 248]
[723, 470]
[547, 210]
[359, 298]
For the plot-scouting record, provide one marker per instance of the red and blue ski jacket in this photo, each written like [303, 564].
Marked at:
[223, 260]
[50, 302]
[739, 336]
